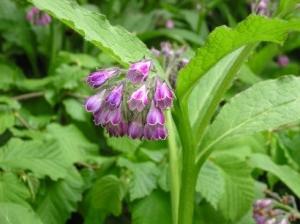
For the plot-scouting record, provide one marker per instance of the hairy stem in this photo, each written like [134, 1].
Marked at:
[174, 167]
[188, 174]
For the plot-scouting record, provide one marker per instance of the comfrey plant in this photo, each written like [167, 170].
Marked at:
[38, 17]
[131, 105]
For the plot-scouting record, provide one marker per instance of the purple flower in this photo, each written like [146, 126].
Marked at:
[37, 17]
[163, 96]
[263, 203]
[136, 130]
[114, 117]
[139, 71]
[169, 24]
[98, 78]
[138, 99]
[283, 60]
[114, 98]
[93, 103]
[284, 221]
[155, 132]
[155, 116]
[166, 49]
[118, 130]
[101, 115]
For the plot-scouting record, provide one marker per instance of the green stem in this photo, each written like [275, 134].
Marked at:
[174, 167]
[188, 174]
[55, 44]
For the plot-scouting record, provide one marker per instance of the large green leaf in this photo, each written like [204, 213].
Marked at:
[60, 198]
[144, 177]
[12, 189]
[226, 183]
[155, 208]
[115, 40]
[105, 197]
[223, 40]
[265, 105]
[11, 213]
[42, 158]
[71, 141]
[286, 174]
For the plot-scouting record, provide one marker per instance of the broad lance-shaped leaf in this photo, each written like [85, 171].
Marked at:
[42, 158]
[223, 40]
[12, 213]
[285, 173]
[226, 183]
[94, 27]
[266, 105]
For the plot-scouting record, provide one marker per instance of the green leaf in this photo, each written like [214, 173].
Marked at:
[114, 40]
[11, 213]
[226, 183]
[12, 189]
[144, 177]
[42, 158]
[123, 144]
[285, 7]
[286, 174]
[211, 183]
[71, 141]
[105, 197]
[75, 110]
[60, 198]
[7, 120]
[223, 41]
[265, 105]
[155, 208]
[9, 75]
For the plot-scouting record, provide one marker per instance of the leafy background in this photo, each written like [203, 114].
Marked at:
[57, 167]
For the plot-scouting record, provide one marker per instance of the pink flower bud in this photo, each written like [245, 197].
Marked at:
[163, 96]
[38, 17]
[283, 60]
[98, 78]
[155, 116]
[138, 99]
[114, 98]
[139, 71]
[170, 24]
[93, 103]
[136, 130]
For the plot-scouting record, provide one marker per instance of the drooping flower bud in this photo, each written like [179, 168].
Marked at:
[170, 24]
[114, 117]
[93, 103]
[155, 116]
[163, 96]
[139, 71]
[138, 99]
[38, 17]
[136, 130]
[114, 98]
[263, 203]
[283, 60]
[118, 130]
[155, 132]
[98, 78]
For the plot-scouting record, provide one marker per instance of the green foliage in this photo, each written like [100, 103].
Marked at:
[153, 209]
[266, 105]
[11, 213]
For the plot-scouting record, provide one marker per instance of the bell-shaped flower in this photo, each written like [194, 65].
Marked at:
[136, 130]
[155, 132]
[138, 99]
[118, 130]
[155, 116]
[139, 71]
[98, 78]
[114, 98]
[93, 103]
[163, 96]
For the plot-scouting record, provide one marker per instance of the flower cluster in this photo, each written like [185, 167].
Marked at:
[38, 17]
[267, 211]
[131, 106]
[172, 60]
